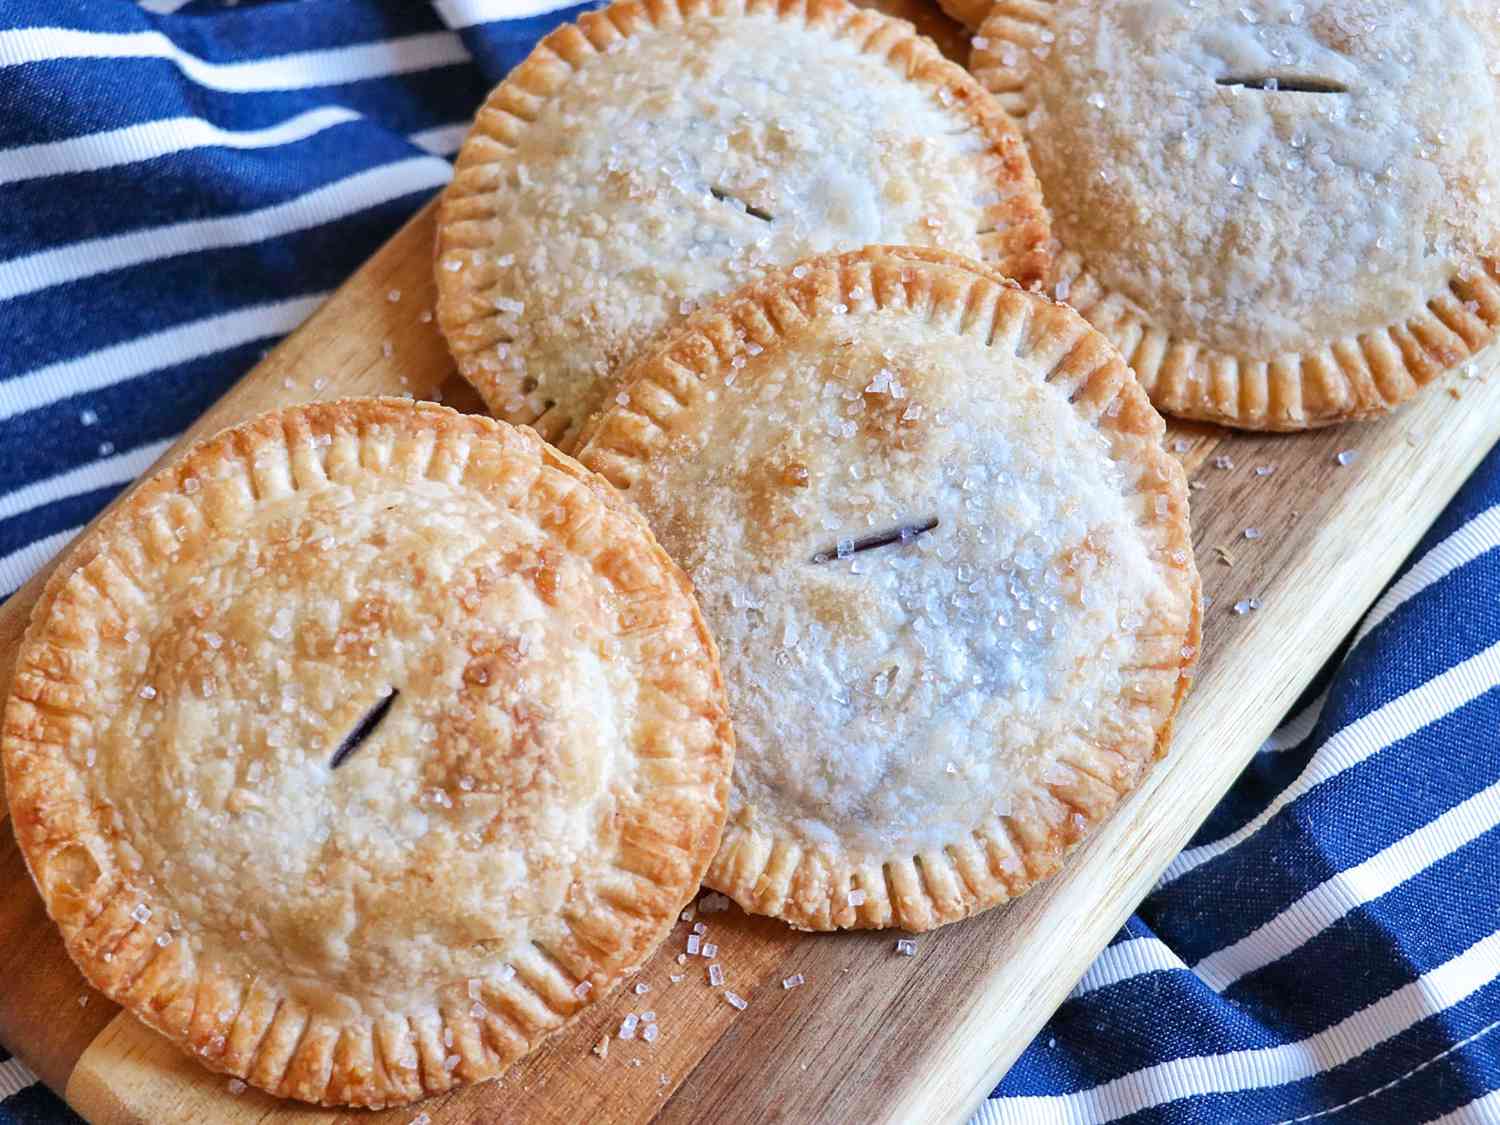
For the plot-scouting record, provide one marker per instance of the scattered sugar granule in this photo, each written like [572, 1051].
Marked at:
[715, 975]
[421, 1119]
[641, 988]
[687, 915]
[387, 349]
[682, 958]
[106, 448]
[628, 1026]
[694, 943]
[447, 1037]
[1346, 457]
[676, 978]
[736, 1000]
[650, 1033]
[83, 1000]
[451, 1062]
[452, 265]
[393, 296]
[857, 897]
[1264, 470]
[141, 913]
[1223, 462]
[425, 316]
[710, 949]
[1181, 445]
[713, 902]
[164, 939]
[906, 947]
[236, 1087]
[507, 972]
[1252, 533]
[648, 1016]
[700, 928]
[583, 989]
[89, 757]
[87, 417]
[601, 1048]
[796, 980]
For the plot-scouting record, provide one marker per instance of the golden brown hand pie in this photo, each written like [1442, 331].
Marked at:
[660, 152]
[930, 520]
[364, 746]
[1286, 214]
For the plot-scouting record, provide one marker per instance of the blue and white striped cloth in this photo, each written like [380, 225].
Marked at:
[180, 188]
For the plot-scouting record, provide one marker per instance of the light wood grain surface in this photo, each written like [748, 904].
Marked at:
[872, 1035]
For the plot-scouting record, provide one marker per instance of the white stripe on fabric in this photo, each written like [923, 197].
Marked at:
[467, 13]
[151, 139]
[314, 208]
[1127, 959]
[1366, 736]
[167, 348]
[19, 565]
[1295, 730]
[119, 469]
[1326, 903]
[1474, 538]
[15, 1076]
[300, 70]
[1442, 987]
[1394, 1082]
[441, 140]
[1481, 1111]
[163, 7]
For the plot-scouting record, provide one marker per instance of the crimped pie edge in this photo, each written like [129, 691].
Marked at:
[808, 888]
[1023, 248]
[375, 1059]
[1345, 379]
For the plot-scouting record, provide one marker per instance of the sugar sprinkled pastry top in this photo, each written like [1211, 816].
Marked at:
[657, 154]
[365, 745]
[1287, 212]
[930, 521]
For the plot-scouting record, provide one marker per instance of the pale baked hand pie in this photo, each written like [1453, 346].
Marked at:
[661, 152]
[365, 745]
[930, 521]
[1286, 214]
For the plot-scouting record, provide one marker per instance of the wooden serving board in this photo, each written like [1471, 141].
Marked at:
[872, 1035]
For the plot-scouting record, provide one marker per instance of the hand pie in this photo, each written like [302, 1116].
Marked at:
[363, 746]
[1284, 214]
[930, 520]
[658, 153]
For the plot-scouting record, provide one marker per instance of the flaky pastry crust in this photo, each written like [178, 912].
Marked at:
[930, 520]
[364, 746]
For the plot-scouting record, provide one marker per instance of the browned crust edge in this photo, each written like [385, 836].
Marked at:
[1354, 377]
[248, 1027]
[1000, 859]
[1017, 235]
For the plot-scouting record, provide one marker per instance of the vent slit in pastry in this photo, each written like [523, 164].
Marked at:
[363, 729]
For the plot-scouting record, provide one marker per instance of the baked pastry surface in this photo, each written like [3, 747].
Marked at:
[658, 153]
[365, 745]
[1285, 214]
[930, 520]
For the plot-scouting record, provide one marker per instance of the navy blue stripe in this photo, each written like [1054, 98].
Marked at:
[131, 91]
[187, 187]
[1411, 929]
[235, 34]
[1383, 1063]
[132, 413]
[1222, 900]
[74, 319]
